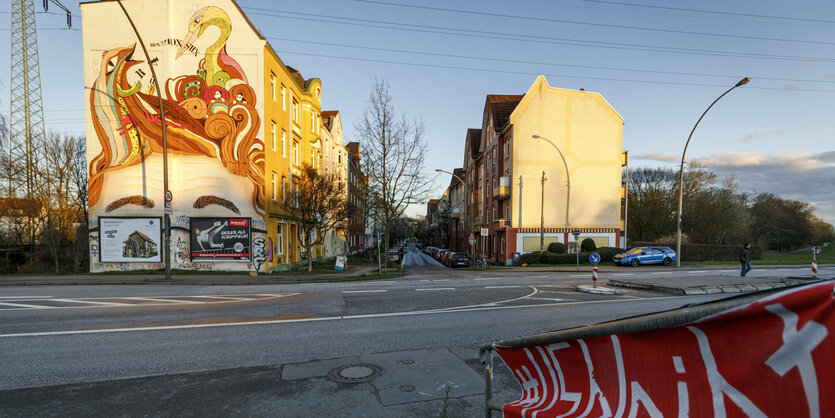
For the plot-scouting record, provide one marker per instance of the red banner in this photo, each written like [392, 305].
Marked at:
[771, 358]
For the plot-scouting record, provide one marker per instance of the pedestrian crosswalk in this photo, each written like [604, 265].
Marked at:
[50, 302]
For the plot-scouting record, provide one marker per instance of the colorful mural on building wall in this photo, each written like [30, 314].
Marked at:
[216, 159]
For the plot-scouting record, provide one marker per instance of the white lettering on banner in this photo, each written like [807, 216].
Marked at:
[640, 395]
[797, 352]
[719, 387]
[742, 361]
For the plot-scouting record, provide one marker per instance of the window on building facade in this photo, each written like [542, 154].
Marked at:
[295, 110]
[295, 153]
[284, 143]
[272, 135]
[283, 98]
[275, 186]
[312, 121]
[272, 86]
[279, 238]
[283, 189]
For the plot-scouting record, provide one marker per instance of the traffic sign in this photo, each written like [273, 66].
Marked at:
[484, 232]
[168, 196]
[594, 258]
[576, 232]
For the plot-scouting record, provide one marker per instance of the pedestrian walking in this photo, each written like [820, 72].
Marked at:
[745, 258]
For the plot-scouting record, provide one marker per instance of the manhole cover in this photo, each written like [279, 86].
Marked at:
[406, 361]
[355, 373]
[407, 388]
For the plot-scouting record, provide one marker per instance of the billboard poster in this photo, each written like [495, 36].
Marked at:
[130, 239]
[220, 239]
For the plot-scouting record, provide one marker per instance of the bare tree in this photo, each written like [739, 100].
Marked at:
[317, 202]
[395, 151]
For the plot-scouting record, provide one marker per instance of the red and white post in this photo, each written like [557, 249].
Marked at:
[594, 276]
[814, 263]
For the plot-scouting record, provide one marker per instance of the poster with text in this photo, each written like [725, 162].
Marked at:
[130, 240]
[220, 239]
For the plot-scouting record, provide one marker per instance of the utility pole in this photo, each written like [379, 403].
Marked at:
[542, 215]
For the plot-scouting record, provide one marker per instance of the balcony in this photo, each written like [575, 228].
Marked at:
[501, 224]
[503, 190]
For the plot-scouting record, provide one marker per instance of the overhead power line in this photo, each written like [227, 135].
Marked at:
[519, 61]
[682, 9]
[408, 27]
[607, 25]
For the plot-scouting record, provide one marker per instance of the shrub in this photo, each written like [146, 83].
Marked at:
[556, 247]
[548, 257]
[588, 245]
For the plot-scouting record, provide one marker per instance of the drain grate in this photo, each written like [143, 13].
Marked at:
[355, 373]
[407, 388]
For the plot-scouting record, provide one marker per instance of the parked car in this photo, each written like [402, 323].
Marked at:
[458, 260]
[645, 255]
[394, 256]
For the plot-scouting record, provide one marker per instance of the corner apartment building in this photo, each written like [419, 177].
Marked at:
[519, 145]
[335, 162]
[358, 239]
[240, 125]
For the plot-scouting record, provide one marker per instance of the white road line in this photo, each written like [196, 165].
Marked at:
[92, 302]
[659, 272]
[622, 274]
[580, 275]
[551, 299]
[501, 287]
[25, 297]
[535, 277]
[697, 271]
[364, 291]
[440, 280]
[331, 318]
[21, 305]
[164, 300]
[426, 289]
[424, 280]
[223, 298]
[487, 278]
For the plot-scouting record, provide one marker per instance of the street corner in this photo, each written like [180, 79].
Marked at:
[598, 290]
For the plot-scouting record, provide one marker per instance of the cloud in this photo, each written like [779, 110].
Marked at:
[667, 158]
[803, 176]
[760, 135]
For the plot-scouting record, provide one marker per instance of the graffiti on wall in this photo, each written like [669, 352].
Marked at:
[210, 115]
[259, 253]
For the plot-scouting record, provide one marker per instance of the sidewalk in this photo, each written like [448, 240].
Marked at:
[354, 273]
[705, 285]
[402, 384]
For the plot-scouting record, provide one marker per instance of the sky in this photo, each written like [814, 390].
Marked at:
[658, 63]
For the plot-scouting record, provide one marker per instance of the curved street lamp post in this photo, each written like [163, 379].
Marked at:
[681, 170]
[567, 189]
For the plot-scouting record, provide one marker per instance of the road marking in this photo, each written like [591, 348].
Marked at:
[659, 272]
[440, 280]
[622, 274]
[365, 291]
[487, 278]
[697, 271]
[188, 302]
[92, 302]
[534, 277]
[424, 280]
[552, 299]
[226, 298]
[331, 318]
[579, 275]
[501, 287]
[434, 288]
[725, 271]
[22, 305]
[25, 297]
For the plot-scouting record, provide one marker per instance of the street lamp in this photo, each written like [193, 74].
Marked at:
[166, 217]
[681, 170]
[567, 185]
[467, 191]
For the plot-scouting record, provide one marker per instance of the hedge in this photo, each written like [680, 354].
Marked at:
[547, 257]
[708, 252]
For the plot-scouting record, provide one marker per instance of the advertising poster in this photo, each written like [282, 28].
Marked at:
[130, 239]
[220, 239]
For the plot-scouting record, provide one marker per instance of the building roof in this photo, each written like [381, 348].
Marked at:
[143, 236]
[459, 172]
[502, 106]
[474, 142]
[327, 115]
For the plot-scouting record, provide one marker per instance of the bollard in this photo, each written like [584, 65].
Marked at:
[814, 262]
[594, 276]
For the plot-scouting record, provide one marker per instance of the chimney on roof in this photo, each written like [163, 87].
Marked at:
[582, 89]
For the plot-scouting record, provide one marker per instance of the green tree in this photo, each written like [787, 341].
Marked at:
[781, 224]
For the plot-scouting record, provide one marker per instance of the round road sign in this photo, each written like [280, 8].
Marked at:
[594, 258]
[168, 196]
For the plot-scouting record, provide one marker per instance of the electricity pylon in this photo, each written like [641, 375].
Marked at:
[26, 124]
